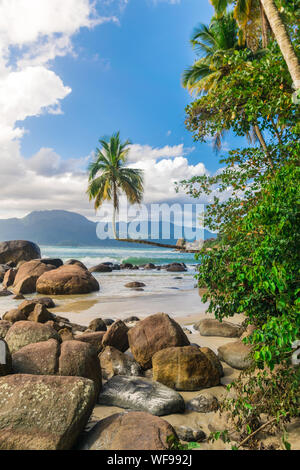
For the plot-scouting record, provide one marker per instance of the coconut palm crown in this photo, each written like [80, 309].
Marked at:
[210, 44]
[109, 176]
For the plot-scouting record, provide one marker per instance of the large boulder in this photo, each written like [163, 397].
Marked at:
[37, 358]
[235, 355]
[213, 327]
[75, 261]
[70, 279]
[27, 275]
[101, 268]
[9, 277]
[18, 250]
[214, 360]
[114, 362]
[94, 339]
[72, 358]
[27, 332]
[80, 359]
[153, 334]
[43, 412]
[4, 327]
[185, 368]
[117, 336]
[129, 431]
[140, 394]
[5, 359]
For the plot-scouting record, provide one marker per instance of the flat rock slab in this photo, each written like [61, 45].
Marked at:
[43, 412]
[213, 327]
[139, 394]
[129, 431]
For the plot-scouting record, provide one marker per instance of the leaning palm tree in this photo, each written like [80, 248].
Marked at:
[211, 43]
[283, 40]
[109, 176]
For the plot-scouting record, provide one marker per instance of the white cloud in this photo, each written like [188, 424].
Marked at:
[146, 152]
[45, 181]
[32, 34]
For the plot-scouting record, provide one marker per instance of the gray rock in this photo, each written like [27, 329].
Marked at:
[140, 394]
[18, 250]
[114, 362]
[5, 359]
[188, 434]
[205, 402]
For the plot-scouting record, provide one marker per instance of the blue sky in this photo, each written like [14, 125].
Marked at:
[74, 71]
[126, 76]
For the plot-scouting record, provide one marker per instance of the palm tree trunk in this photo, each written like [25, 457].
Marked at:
[114, 223]
[115, 206]
[283, 40]
[265, 26]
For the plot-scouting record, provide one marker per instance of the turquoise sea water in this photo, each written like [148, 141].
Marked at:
[91, 256]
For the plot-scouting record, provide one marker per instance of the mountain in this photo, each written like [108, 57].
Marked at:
[64, 228]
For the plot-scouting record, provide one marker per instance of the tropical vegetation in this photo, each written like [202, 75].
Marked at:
[254, 268]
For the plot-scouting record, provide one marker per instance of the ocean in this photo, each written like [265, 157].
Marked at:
[172, 293]
[91, 256]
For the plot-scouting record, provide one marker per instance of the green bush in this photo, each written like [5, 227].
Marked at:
[255, 268]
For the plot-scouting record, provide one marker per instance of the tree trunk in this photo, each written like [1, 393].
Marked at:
[265, 27]
[283, 40]
[263, 144]
[115, 207]
[114, 223]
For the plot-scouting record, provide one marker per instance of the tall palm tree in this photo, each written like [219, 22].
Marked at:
[211, 43]
[283, 40]
[251, 19]
[247, 12]
[109, 176]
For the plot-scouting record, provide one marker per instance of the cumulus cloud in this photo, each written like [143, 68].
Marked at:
[32, 34]
[45, 181]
